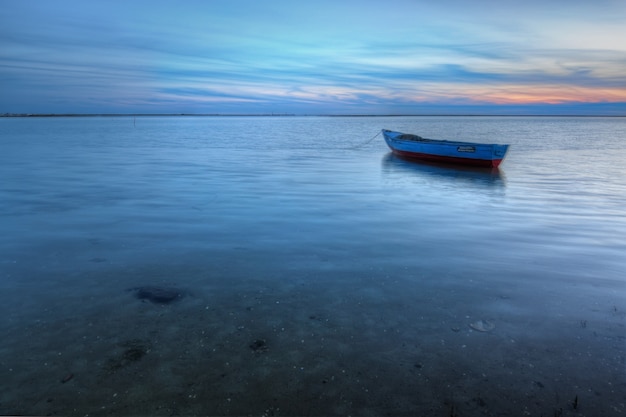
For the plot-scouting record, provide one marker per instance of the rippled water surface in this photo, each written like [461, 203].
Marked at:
[363, 274]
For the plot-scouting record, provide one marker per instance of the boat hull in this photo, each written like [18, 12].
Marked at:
[453, 152]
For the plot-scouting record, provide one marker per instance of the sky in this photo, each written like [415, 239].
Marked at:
[313, 57]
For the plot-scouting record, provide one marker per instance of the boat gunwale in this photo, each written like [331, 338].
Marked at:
[393, 135]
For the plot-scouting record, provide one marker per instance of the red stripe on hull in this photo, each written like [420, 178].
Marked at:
[493, 163]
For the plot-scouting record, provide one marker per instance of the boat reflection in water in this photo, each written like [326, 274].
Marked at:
[457, 174]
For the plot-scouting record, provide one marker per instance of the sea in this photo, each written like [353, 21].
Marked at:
[287, 265]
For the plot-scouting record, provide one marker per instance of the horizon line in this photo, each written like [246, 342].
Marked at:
[295, 115]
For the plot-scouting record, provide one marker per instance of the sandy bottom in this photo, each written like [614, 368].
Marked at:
[308, 347]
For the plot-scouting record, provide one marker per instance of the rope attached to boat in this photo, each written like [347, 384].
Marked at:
[365, 143]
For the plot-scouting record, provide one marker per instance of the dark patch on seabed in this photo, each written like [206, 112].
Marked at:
[157, 295]
[259, 345]
[132, 351]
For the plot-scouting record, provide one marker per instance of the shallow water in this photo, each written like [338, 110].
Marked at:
[360, 271]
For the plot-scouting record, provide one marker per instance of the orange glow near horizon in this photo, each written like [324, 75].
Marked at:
[526, 94]
[558, 95]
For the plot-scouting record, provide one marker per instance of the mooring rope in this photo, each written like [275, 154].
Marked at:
[365, 143]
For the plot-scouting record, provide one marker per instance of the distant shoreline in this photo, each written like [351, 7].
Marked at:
[290, 115]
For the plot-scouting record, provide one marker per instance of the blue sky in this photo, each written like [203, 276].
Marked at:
[313, 57]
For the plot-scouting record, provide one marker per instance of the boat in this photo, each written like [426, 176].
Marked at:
[464, 153]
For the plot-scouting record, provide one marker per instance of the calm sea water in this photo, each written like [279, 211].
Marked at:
[365, 274]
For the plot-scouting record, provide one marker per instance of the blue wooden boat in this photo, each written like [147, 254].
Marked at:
[466, 153]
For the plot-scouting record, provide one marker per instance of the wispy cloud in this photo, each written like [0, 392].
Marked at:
[246, 56]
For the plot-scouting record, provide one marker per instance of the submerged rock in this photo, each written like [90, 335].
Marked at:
[157, 295]
[482, 326]
[259, 345]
